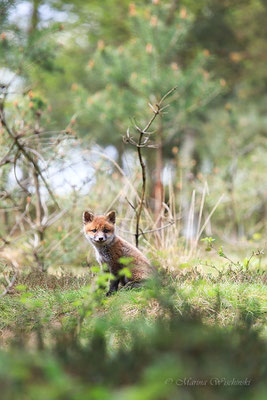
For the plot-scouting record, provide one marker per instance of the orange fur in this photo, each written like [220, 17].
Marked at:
[109, 248]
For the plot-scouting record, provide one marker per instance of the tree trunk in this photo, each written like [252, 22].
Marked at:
[38, 214]
[38, 204]
[186, 157]
[120, 150]
[34, 16]
[158, 188]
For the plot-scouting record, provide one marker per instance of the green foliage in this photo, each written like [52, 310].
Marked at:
[120, 77]
[126, 271]
[209, 243]
[106, 60]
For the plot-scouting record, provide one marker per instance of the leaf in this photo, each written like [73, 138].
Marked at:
[125, 272]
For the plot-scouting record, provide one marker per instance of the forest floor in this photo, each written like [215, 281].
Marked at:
[61, 337]
[221, 296]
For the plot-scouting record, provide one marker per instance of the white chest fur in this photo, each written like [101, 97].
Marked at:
[103, 255]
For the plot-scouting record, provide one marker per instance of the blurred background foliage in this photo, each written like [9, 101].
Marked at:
[98, 64]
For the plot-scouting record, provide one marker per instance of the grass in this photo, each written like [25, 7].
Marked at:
[74, 343]
[221, 299]
[63, 339]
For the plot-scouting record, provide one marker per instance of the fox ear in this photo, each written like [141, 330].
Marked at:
[87, 217]
[111, 217]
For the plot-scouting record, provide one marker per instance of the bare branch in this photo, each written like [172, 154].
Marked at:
[10, 282]
[148, 231]
[143, 141]
[25, 153]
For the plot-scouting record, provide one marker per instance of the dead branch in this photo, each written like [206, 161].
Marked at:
[21, 149]
[144, 141]
[10, 282]
[149, 230]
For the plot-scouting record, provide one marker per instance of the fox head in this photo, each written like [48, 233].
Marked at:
[99, 229]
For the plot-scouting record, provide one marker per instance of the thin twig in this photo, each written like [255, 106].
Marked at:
[11, 283]
[143, 142]
[148, 231]
[26, 154]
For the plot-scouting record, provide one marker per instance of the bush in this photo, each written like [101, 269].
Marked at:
[163, 352]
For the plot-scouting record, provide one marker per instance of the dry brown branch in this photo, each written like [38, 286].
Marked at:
[28, 153]
[10, 282]
[20, 219]
[149, 230]
[5, 160]
[21, 149]
[143, 141]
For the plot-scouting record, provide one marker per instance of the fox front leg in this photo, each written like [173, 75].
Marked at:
[113, 287]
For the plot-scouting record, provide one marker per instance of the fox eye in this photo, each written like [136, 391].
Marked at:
[93, 230]
[106, 230]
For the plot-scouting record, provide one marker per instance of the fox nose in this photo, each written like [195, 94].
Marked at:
[101, 239]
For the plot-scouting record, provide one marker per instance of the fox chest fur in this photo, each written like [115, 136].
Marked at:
[104, 255]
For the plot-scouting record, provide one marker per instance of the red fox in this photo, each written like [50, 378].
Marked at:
[99, 230]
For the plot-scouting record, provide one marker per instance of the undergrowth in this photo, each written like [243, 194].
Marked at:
[65, 339]
[197, 333]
